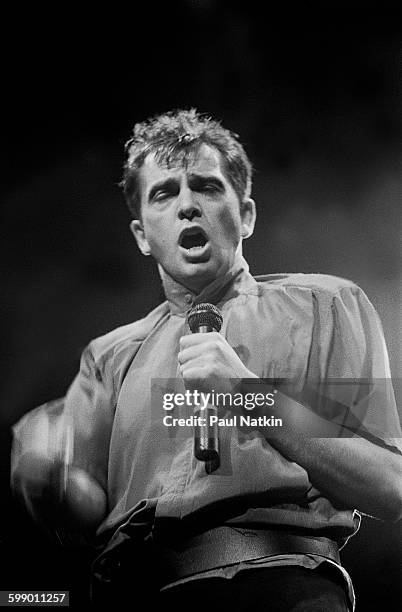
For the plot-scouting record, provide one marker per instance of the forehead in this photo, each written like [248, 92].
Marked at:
[206, 161]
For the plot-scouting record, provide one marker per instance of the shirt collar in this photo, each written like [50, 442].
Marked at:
[236, 281]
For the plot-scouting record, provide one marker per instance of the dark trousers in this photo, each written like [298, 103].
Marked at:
[277, 589]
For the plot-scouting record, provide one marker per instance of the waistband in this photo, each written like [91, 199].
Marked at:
[225, 545]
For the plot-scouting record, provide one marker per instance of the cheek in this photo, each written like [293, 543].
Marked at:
[157, 232]
[160, 240]
[229, 224]
[158, 244]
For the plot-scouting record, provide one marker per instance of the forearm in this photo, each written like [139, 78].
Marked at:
[349, 469]
[58, 495]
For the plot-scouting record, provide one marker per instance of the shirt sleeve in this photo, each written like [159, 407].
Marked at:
[349, 360]
[89, 410]
[75, 428]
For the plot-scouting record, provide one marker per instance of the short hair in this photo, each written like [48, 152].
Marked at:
[175, 137]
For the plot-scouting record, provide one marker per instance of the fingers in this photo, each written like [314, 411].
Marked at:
[209, 356]
[196, 339]
[192, 353]
[200, 345]
[199, 361]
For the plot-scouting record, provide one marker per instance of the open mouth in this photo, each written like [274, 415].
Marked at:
[193, 238]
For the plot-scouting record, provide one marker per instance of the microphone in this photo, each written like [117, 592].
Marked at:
[202, 319]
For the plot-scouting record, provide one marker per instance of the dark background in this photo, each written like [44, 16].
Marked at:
[315, 95]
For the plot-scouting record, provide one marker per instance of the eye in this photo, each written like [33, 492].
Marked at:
[161, 195]
[208, 188]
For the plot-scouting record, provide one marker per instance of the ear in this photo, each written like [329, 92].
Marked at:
[248, 216]
[139, 235]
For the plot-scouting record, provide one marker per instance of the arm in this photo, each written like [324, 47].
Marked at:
[360, 465]
[353, 471]
[60, 454]
[351, 455]
[58, 495]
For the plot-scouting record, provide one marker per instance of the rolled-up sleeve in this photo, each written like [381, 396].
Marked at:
[349, 358]
[88, 410]
[76, 428]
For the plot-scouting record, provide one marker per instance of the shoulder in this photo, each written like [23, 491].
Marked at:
[130, 335]
[323, 295]
[325, 284]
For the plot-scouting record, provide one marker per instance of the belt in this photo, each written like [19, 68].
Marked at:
[227, 545]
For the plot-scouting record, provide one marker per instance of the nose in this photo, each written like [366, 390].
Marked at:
[188, 205]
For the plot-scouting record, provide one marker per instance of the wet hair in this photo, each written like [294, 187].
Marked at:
[175, 138]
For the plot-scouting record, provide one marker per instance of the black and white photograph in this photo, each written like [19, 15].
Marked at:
[201, 397]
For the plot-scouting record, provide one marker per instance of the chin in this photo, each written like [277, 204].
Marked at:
[200, 275]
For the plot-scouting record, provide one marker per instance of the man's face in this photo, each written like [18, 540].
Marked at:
[192, 221]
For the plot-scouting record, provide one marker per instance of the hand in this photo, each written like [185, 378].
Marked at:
[57, 495]
[208, 362]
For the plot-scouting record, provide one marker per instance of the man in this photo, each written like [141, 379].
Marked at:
[265, 525]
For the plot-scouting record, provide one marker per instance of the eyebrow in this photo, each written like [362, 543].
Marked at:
[195, 181]
[200, 179]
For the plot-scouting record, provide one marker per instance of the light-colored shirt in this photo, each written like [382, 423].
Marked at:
[283, 326]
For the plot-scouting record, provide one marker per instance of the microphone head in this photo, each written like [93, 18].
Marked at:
[204, 314]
